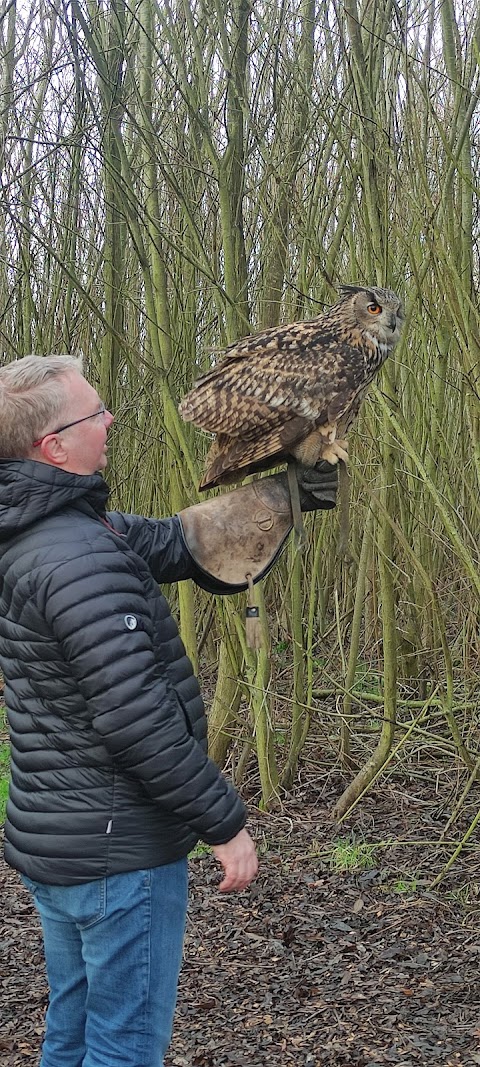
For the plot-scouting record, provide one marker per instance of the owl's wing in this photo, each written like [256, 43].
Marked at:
[231, 455]
[259, 390]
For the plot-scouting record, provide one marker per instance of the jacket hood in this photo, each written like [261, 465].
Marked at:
[31, 491]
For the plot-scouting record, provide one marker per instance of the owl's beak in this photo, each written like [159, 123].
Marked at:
[392, 323]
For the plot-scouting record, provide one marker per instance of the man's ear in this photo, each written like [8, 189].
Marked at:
[52, 451]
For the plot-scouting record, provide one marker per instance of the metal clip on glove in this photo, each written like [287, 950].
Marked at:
[236, 538]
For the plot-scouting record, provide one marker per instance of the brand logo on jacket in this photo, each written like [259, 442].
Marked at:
[130, 622]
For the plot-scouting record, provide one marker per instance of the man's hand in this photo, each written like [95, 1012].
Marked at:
[239, 861]
[318, 486]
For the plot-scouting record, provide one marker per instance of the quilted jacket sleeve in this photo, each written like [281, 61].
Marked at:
[89, 603]
[161, 543]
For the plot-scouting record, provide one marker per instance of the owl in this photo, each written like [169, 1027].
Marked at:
[292, 392]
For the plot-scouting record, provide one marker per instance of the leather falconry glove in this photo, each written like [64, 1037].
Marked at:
[236, 538]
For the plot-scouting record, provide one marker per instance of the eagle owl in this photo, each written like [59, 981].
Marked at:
[292, 392]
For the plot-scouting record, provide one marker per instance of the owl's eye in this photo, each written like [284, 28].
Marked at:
[374, 309]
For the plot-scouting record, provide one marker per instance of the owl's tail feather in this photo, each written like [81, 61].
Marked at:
[231, 459]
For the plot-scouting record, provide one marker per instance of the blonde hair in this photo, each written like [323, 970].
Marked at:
[33, 398]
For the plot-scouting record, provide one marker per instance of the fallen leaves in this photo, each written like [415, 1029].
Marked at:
[308, 968]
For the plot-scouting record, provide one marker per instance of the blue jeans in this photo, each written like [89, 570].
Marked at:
[113, 950]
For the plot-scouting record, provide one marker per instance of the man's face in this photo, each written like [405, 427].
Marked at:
[82, 448]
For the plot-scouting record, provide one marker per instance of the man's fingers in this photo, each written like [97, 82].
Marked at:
[239, 861]
[235, 880]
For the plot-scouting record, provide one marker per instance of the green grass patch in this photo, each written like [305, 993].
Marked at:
[4, 777]
[348, 855]
[404, 886]
[201, 849]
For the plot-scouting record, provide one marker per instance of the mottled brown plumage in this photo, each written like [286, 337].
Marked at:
[294, 391]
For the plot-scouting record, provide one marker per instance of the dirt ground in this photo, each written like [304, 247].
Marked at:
[311, 966]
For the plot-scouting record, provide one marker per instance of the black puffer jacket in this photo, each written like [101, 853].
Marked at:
[108, 731]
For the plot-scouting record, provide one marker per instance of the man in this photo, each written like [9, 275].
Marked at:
[111, 785]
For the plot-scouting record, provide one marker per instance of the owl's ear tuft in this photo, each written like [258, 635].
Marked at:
[347, 289]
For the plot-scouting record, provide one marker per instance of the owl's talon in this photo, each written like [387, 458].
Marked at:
[337, 450]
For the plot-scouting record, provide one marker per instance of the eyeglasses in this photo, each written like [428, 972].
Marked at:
[68, 425]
